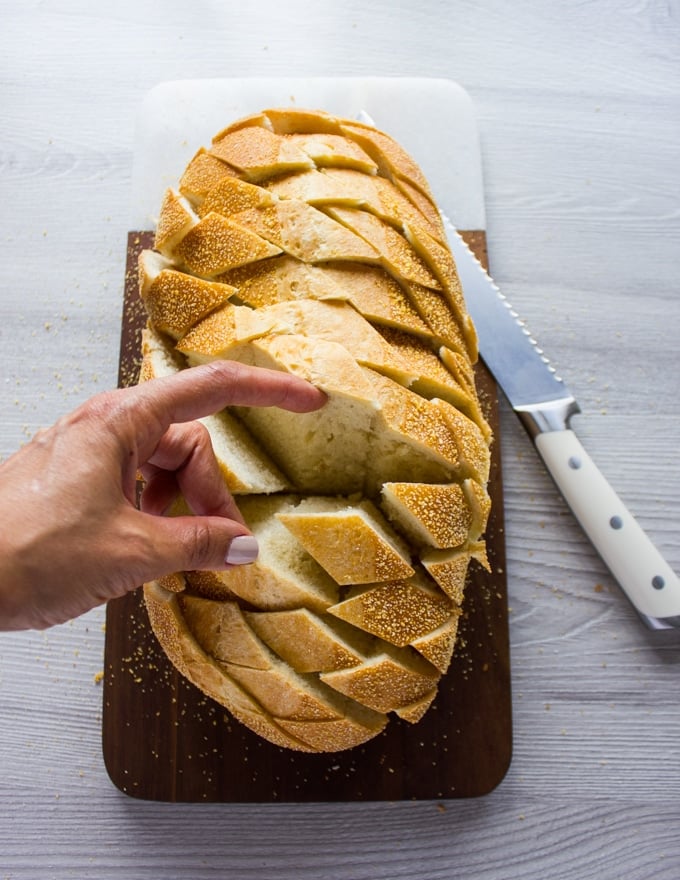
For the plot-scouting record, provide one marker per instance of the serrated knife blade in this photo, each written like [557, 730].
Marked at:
[545, 406]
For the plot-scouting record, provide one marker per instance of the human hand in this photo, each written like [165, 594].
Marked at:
[71, 537]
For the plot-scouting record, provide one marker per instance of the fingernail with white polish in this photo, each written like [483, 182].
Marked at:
[242, 550]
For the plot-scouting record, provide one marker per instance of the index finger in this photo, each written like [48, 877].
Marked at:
[209, 388]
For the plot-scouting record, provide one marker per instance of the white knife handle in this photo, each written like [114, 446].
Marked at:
[639, 568]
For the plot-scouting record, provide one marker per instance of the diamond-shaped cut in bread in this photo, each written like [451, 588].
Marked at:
[175, 301]
[231, 195]
[335, 322]
[306, 233]
[391, 158]
[287, 694]
[259, 153]
[460, 367]
[207, 584]
[201, 175]
[345, 186]
[173, 583]
[310, 642]
[377, 296]
[473, 448]
[280, 279]
[174, 222]
[333, 151]
[216, 244]
[449, 567]
[352, 542]
[398, 612]
[415, 711]
[320, 187]
[299, 120]
[432, 378]
[396, 254]
[435, 515]
[423, 203]
[372, 292]
[387, 682]
[437, 257]
[438, 645]
[335, 736]
[443, 322]
[409, 437]
[222, 333]
[253, 119]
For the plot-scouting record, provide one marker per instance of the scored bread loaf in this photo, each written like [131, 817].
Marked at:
[311, 244]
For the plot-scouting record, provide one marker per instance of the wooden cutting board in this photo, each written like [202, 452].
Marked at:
[164, 740]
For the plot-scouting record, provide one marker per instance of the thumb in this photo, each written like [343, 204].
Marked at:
[194, 543]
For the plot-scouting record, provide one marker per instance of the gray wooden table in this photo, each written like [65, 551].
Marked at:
[579, 116]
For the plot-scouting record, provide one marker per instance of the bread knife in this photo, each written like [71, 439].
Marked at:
[545, 406]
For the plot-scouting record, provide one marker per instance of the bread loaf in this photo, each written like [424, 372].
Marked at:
[313, 245]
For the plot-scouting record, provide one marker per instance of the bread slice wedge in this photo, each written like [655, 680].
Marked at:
[351, 541]
[259, 153]
[202, 174]
[311, 642]
[387, 682]
[449, 568]
[284, 576]
[174, 301]
[399, 612]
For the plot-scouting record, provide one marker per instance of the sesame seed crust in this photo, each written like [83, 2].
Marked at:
[175, 301]
[217, 244]
[398, 612]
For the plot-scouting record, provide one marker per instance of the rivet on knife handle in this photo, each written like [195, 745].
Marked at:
[637, 565]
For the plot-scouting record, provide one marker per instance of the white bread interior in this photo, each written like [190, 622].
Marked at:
[244, 465]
